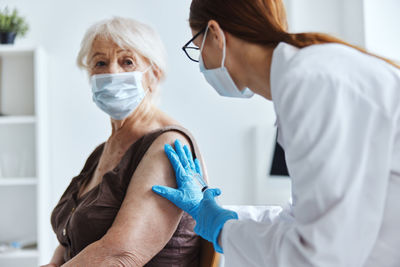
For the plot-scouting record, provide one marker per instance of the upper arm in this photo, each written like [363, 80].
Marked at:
[146, 221]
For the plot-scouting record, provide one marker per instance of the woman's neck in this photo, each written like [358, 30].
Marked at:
[135, 125]
[256, 68]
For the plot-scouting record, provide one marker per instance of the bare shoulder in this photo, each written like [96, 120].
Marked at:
[169, 137]
[155, 164]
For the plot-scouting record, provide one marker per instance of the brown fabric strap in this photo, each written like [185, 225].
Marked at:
[193, 145]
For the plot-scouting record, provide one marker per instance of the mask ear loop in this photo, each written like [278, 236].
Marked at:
[143, 72]
[147, 69]
[202, 43]
[223, 50]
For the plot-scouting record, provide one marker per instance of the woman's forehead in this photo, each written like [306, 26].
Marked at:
[102, 44]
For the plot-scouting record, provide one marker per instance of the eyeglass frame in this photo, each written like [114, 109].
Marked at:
[196, 48]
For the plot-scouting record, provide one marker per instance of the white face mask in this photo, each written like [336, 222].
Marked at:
[219, 78]
[118, 94]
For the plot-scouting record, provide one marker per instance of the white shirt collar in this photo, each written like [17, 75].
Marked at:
[281, 56]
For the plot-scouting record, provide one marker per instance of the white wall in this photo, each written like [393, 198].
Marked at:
[373, 24]
[382, 24]
[340, 18]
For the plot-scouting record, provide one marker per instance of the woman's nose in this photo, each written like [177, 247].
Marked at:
[114, 67]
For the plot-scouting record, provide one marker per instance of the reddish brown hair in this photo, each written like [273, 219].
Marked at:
[258, 21]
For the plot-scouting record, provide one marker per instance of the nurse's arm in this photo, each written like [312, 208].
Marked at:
[145, 222]
[338, 144]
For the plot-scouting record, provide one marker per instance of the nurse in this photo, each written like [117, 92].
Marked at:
[338, 116]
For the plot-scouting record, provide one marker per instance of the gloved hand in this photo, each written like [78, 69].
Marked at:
[209, 216]
[188, 177]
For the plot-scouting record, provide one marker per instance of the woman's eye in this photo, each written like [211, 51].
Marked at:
[128, 62]
[100, 63]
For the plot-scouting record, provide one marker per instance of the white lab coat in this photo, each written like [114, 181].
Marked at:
[338, 115]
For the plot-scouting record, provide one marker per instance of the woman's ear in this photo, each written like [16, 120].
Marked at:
[217, 34]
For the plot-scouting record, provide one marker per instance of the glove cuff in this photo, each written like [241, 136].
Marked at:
[226, 216]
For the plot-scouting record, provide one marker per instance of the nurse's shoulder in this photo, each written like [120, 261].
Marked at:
[342, 61]
[309, 67]
[332, 59]
[343, 68]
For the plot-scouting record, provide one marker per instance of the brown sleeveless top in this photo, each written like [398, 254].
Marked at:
[81, 221]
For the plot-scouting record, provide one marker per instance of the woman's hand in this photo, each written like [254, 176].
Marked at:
[58, 259]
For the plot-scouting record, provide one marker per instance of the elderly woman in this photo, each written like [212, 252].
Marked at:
[108, 215]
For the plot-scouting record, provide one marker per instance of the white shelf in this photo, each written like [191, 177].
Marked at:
[24, 151]
[12, 49]
[17, 119]
[16, 181]
[19, 254]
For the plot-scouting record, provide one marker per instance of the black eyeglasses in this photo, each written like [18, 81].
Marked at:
[193, 52]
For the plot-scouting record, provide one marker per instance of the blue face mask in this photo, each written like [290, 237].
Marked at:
[219, 78]
[118, 94]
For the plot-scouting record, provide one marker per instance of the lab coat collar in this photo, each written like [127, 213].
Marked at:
[281, 56]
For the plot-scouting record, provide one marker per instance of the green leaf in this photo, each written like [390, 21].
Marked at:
[12, 22]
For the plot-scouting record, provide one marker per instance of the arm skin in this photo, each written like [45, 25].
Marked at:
[58, 257]
[145, 221]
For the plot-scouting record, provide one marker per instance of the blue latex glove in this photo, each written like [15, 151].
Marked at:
[188, 179]
[209, 216]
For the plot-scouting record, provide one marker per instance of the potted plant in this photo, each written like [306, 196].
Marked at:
[11, 25]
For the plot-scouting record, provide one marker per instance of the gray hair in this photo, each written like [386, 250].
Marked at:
[126, 33]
